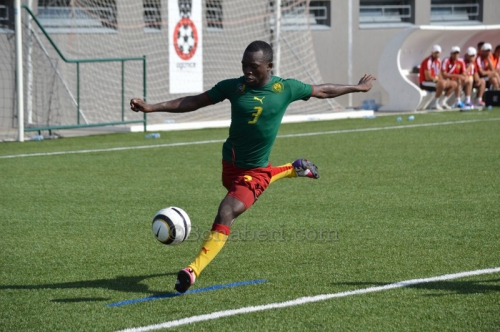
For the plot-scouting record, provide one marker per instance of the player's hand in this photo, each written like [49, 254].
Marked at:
[365, 83]
[139, 105]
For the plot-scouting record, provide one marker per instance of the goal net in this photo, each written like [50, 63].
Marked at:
[97, 29]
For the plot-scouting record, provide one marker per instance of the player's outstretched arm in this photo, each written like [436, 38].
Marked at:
[330, 90]
[179, 105]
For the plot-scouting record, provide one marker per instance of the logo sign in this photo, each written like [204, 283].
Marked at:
[185, 46]
[185, 39]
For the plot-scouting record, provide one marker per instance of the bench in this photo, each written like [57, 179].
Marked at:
[426, 96]
[408, 48]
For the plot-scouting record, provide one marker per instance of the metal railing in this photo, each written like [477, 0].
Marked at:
[384, 13]
[96, 60]
[296, 17]
[456, 12]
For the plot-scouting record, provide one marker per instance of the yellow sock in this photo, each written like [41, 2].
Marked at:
[283, 171]
[210, 248]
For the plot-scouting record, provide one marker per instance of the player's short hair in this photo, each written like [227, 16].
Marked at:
[259, 45]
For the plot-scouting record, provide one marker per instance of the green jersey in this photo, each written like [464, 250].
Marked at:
[256, 115]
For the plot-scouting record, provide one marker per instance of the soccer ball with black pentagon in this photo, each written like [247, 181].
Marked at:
[171, 225]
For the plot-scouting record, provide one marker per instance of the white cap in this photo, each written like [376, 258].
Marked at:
[455, 49]
[486, 47]
[471, 51]
[436, 48]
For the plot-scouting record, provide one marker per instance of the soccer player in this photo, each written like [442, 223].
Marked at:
[495, 58]
[454, 70]
[258, 103]
[430, 79]
[473, 75]
[485, 67]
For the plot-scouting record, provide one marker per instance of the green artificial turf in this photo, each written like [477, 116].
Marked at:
[396, 201]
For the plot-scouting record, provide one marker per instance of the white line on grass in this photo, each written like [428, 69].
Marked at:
[304, 300]
[123, 148]
[223, 140]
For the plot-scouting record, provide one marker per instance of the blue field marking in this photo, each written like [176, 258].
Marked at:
[198, 290]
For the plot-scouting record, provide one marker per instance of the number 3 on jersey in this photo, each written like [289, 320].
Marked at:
[256, 115]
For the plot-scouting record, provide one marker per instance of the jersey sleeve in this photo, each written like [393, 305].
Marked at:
[427, 64]
[220, 91]
[299, 90]
[479, 63]
[444, 65]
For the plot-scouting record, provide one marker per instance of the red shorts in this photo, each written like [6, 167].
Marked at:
[245, 184]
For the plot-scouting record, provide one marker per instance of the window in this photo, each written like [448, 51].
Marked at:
[6, 16]
[294, 16]
[455, 12]
[95, 16]
[214, 14]
[152, 15]
[388, 13]
[321, 12]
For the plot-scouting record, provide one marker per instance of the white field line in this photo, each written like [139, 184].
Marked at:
[332, 132]
[123, 148]
[304, 300]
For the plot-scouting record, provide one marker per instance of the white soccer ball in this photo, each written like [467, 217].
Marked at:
[171, 225]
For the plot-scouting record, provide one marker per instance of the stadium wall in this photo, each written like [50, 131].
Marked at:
[328, 54]
[331, 46]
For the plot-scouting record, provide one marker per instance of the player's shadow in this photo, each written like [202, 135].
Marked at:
[130, 284]
[448, 287]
